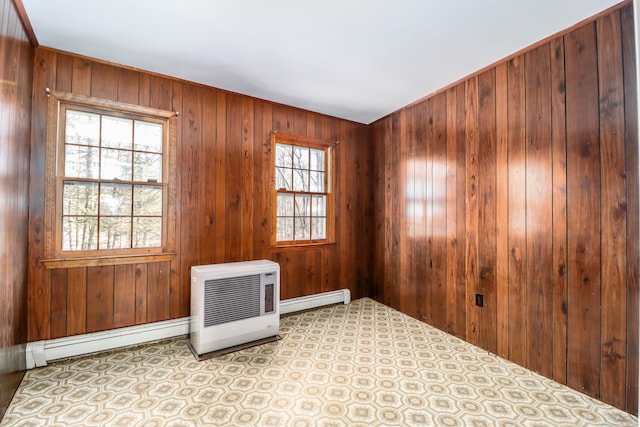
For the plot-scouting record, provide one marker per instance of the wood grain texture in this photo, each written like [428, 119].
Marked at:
[100, 298]
[613, 211]
[471, 210]
[559, 165]
[486, 200]
[633, 232]
[17, 62]
[222, 174]
[502, 215]
[583, 219]
[517, 212]
[539, 199]
[77, 301]
[124, 300]
[543, 151]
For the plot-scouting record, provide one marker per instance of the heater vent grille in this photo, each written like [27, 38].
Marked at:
[231, 299]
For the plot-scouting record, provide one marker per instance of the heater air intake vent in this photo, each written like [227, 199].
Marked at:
[231, 299]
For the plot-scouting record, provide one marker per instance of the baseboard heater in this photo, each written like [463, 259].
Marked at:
[38, 353]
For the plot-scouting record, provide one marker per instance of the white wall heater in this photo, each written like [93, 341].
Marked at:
[233, 304]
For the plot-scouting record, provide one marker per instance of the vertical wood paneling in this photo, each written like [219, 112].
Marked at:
[124, 296]
[420, 244]
[405, 286]
[486, 199]
[559, 153]
[64, 73]
[190, 192]
[220, 177]
[633, 192]
[539, 203]
[461, 203]
[16, 73]
[141, 293]
[472, 205]
[222, 194]
[100, 298]
[451, 255]
[157, 291]
[77, 301]
[518, 325]
[179, 288]
[39, 279]
[208, 174]
[614, 211]
[545, 208]
[104, 81]
[439, 212]
[128, 86]
[502, 215]
[81, 82]
[583, 219]
[247, 194]
[233, 180]
[58, 303]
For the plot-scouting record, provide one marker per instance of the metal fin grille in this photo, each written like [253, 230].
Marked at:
[230, 299]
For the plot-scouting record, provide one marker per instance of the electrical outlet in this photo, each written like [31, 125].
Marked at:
[480, 300]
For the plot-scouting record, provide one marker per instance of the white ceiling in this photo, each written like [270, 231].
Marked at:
[355, 59]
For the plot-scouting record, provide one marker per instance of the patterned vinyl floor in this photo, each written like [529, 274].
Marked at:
[361, 364]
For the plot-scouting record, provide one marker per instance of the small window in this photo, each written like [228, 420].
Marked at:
[303, 194]
[111, 178]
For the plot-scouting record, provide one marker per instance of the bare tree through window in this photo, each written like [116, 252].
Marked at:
[112, 193]
[301, 184]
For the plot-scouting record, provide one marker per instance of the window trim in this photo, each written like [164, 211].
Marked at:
[54, 256]
[303, 141]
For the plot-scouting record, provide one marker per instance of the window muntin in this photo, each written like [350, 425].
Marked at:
[111, 185]
[302, 192]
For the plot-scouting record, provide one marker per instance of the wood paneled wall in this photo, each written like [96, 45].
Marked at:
[16, 65]
[521, 183]
[223, 199]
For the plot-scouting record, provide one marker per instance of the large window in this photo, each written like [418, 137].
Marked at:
[302, 184]
[111, 179]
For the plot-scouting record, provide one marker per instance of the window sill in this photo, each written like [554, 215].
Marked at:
[97, 261]
[301, 246]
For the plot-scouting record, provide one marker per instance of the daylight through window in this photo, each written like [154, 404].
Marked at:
[112, 187]
[302, 185]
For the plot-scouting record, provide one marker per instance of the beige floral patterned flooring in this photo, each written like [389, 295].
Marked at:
[362, 364]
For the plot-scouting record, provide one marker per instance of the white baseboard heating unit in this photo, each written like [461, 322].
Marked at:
[233, 304]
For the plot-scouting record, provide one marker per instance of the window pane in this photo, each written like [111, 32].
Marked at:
[147, 200]
[300, 158]
[79, 233]
[284, 229]
[148, 137]
[316, 182]
[115, 232]
[317, 160]
[79, 198]
[319, 206]
[147, 167]
[117, 132]
[283, 155]
[300, 180]
[283, 179]
[147, 232]
[318, 228]
[285, 205]
[82, 128]
[115, 199]
[303, 228]
[303, 205]
[81, 162]
[115, 164]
